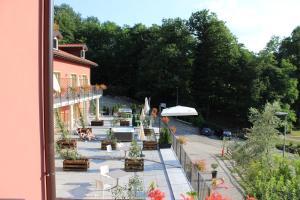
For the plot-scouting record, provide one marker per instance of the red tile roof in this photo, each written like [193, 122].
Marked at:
[71, 57]
[74, 45]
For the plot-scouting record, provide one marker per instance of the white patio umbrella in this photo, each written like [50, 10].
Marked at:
[141, 132]
[56, 86]
[146, 106]
[179, 111]
[142, 116]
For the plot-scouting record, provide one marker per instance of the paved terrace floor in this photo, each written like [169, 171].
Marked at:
[82, 185]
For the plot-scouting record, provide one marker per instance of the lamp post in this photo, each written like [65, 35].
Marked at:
[176, 96]
[285, 124]
[161, 105]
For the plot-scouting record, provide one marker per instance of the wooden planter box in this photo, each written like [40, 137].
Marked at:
[97, 123]
[149, 145]
[76, 165]
[104, 143]
[124, 123]
[134, 165]
[148, 131]
[67, 144]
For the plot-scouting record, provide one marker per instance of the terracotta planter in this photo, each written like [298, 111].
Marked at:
[148, 131]
[104, 143]
[124, 123]
[149, 145]
[134, 165]
[97, 123]
[67, 144]
[76, 165]
[165, 146]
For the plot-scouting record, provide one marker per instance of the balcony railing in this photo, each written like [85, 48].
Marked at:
[71, 90]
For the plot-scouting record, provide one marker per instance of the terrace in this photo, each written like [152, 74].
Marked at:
[160, 166]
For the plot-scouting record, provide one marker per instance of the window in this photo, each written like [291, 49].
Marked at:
[82, 53]
[85, 80]
[74, 80]
[55, 43]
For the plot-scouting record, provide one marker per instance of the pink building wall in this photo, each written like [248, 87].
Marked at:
[67, 68]
[20, 144]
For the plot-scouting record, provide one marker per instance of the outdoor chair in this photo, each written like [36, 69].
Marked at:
[105, 183]
[109, 151]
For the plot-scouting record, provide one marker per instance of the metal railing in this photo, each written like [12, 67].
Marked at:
[74, 90]
[196, 179]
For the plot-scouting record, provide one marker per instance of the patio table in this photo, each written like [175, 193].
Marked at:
[117, 174]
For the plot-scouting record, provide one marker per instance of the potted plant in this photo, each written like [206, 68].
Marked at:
[83, 128]
[155, 193]
[73, 161]
[124, 122]
[164, 138]
[64, 141]
[201, 165]
[214, 166]
[110, 140]
[182, 140]
[134, 162]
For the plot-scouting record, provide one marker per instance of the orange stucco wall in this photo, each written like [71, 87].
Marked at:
[67, 68]
[20, 145]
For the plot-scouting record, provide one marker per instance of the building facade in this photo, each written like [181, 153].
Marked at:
[74, 97]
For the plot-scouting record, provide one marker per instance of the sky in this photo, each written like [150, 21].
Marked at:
[253, 22]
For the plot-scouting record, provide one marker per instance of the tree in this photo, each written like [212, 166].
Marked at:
[68, 21]
[262, 137]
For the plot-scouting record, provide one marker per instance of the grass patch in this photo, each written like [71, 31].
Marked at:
[295, 133]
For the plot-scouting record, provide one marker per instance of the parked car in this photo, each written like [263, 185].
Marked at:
[223, 133]
[206, 131]
[227, 133]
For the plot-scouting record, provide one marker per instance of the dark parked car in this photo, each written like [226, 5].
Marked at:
[223, 133]
[227, 133]
[206, 131]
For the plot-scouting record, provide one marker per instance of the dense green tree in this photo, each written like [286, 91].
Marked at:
[68, 21]
[216, 69]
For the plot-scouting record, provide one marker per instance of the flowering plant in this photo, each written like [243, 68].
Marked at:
[165, 120]
[182, 140]
[201, 165]
[173, 129]
[156, 194]
[216, 196]
[192, 195]
[154, 113]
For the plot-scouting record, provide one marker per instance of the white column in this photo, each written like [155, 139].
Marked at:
[86, 112]
[97, 108]
[71, 118]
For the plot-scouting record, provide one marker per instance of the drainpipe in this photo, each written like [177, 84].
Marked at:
[46, 56]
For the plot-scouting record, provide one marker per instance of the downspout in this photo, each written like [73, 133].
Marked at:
[47, 92]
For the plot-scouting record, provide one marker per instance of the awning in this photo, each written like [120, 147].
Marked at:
[179, 111]
[56, 86]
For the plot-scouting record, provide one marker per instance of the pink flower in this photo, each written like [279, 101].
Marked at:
[216, 196]
[156, 194]
[187, 198]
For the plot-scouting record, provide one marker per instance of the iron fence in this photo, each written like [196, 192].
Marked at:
[196, 179]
